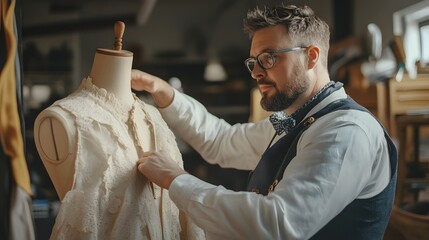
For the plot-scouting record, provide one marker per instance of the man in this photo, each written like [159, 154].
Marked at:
[329, 170]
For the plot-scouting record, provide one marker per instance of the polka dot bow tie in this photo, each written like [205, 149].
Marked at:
[282, 122]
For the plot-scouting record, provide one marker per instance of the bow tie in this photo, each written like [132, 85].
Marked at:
[282, 122]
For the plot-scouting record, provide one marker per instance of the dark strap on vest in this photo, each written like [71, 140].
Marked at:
[362, 219]
[262, 180]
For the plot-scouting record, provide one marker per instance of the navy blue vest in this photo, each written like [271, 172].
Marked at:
[361, 219]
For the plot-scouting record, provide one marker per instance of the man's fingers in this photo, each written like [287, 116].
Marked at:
[142, 161]
[137, 80]
[140, 164]
[145, 156]
[136, 74]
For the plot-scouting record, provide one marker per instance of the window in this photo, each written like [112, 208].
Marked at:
[424, 37]
[412, 23]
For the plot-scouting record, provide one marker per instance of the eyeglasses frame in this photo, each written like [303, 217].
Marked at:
[271, 52]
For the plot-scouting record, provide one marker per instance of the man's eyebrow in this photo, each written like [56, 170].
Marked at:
[263, 51]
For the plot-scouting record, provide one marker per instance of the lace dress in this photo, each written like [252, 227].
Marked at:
[109, 198]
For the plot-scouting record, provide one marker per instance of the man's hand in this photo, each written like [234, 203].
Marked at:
[162, 93]
[159, 168]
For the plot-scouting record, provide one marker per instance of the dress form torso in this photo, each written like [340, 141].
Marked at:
[54, 129]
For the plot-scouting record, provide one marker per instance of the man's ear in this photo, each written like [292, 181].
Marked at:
[313, 54]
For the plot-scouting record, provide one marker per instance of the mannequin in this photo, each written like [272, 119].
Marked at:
[89, 143]
[54, 132]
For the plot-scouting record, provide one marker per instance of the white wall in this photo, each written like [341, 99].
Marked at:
[379, 12]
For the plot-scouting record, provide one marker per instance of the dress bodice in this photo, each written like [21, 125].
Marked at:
[109, 199]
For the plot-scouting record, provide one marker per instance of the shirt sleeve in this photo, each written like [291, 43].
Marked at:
[237, 146]
[335, 161]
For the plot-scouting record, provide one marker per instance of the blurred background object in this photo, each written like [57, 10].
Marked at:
[381, 65]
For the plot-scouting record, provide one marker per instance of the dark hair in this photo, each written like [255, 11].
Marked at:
[304, 28]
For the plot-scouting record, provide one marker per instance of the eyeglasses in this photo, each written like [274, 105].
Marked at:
[266, 60]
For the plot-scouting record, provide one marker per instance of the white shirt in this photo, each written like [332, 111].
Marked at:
[341, 157]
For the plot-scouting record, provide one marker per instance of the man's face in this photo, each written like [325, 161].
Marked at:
[282, 84]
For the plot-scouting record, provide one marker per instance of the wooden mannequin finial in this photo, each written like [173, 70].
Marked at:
[119, 32]
[119, 29]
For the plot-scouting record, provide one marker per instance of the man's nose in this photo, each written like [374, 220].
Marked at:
[258, 72]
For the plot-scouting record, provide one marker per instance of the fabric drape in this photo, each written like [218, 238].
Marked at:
[10, 126]
[16, 213]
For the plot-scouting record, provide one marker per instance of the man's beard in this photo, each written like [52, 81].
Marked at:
[284, 99]
[278, 102]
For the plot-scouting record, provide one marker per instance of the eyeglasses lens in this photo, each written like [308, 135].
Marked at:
[266, 60]
[250, 64]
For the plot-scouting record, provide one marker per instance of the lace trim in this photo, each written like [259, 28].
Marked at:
[107, 99]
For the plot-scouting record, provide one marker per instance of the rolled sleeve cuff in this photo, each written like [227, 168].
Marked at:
[183, 187]
[170, 112]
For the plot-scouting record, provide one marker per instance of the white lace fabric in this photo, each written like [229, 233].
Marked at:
[109, 198]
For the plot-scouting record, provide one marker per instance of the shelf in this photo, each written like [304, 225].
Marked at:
[416, 180]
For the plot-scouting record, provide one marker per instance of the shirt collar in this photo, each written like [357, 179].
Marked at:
[283, 123]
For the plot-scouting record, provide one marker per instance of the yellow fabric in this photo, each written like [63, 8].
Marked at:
[10, 128]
